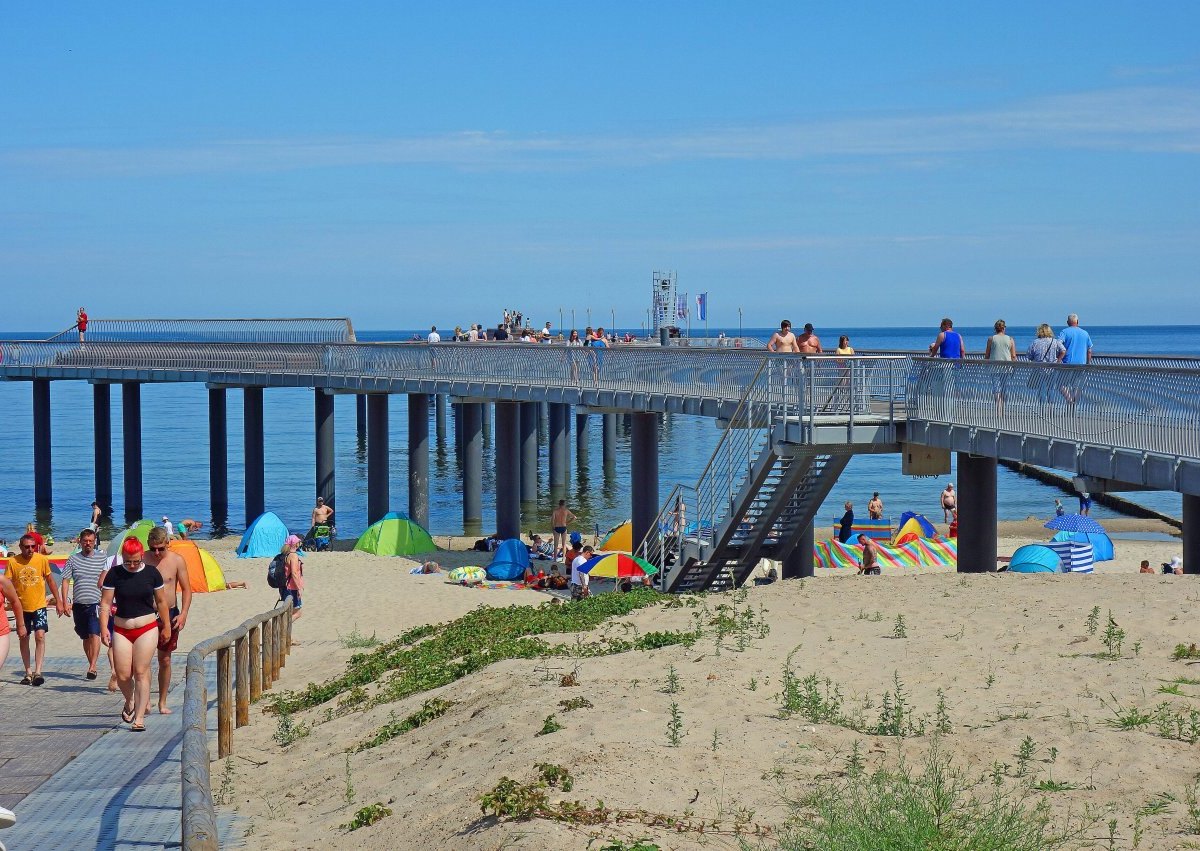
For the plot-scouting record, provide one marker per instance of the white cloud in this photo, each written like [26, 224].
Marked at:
[1141, 119]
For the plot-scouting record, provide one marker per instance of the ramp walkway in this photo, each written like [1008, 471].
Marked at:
[77, 778]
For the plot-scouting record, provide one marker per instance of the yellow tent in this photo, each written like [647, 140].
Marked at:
[619, 539]
[203, 571]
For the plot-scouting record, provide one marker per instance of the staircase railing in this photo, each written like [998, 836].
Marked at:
[775, 389]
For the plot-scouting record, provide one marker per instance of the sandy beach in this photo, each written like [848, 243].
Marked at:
[1012, 657]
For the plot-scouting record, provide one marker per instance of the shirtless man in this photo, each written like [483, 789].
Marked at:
[94, 523]
[322, 514]
[783, 340]
[875, 507]
[870, 557]
[560, 519]
[175, 584]
[809, 343]
[949, 501]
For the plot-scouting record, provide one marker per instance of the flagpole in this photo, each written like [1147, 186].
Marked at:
[706, 334]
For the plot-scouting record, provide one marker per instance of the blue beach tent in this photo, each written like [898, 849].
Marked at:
[1102, 545]
[1034, 558]
[509, 562]
[264, 538]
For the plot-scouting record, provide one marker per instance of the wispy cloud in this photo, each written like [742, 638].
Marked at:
[1138, 119]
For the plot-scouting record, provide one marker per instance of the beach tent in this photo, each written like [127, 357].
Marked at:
[510, 561]
[924, 552]
[1076, 556]
[880, 530]
[618, 539]
[395, 535]
[913, 526]
[203, 571]
[139, 530]
[1102, 545]
[1034, 558]
[264, 538]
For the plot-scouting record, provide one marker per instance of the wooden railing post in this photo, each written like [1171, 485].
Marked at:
[255, 654]
[224, 704]
[287, 644]
[279, 632]
[268, 653]
[284, 639]
[242, 681]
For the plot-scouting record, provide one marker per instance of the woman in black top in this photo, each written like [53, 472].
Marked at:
[137, 589]
[847, 522]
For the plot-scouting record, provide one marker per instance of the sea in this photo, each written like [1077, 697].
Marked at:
[175, 452]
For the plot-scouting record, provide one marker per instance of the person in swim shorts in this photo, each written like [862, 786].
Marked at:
[178, 591]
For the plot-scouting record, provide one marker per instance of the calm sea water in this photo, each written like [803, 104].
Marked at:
[175, 452]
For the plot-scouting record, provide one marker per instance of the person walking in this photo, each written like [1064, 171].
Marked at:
[948, 343]
[176, 585]
[783, 340]
[81, 322]
[1076, 341]
[97, 513]
[139, 592]
[870, 557]
[579, 580]
[559, 521]
[1000, 347]
[83, 571]
[30, 574]
[8, 592]
[434, 336]
[293, 569]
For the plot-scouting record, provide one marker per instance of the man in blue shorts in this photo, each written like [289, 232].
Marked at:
[82, 571]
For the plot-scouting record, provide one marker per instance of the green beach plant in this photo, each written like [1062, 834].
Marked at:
[430, 710]
[367, 816]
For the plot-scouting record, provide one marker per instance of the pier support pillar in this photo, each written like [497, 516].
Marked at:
[508, 472]
[43, 489]
[360, 409]
[529, 451]
[102, 444]
[218, 458]
[485, 413]
[472, 424]
[644, 474]
[418, 458]
[131, 438]
[581, 441]
[326, 471]
[378, 482]
[458, 431]
[799, 563]
[560, 448]
[610, 439]
[439, 417]
[1191, 533]
[256, 485]
[976, 514]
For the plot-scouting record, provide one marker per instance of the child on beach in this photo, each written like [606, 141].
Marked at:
[1146, 568]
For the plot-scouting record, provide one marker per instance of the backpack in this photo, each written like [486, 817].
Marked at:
[277, 572]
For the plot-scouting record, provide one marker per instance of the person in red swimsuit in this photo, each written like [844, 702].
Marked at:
[81, 321]
[138, 590]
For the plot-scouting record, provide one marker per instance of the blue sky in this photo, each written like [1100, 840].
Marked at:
[405, 164]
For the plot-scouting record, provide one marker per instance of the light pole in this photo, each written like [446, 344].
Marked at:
[739, 323]
[589, 310]
[614, 321]
[560, 318]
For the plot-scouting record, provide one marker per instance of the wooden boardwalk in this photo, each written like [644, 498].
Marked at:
[77, 777]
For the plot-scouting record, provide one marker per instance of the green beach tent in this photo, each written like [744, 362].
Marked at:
[395, 535]
[139, 530]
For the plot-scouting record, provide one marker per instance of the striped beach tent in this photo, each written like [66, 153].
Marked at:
[939, 551]
[834, 554]
[1076, 556]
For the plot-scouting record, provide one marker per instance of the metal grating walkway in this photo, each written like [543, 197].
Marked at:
[114, 791]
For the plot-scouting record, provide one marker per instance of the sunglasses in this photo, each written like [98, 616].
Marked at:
[162, 549]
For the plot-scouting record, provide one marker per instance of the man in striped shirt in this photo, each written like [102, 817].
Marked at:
[83, 571]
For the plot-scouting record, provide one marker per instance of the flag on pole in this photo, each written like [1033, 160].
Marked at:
[682, 306]
[702, 307]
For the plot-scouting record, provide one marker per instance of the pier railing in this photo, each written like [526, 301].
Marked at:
[249, 658]
[302, 330]
[1140, 409]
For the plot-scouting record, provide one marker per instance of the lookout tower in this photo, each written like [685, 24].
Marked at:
[663, 301]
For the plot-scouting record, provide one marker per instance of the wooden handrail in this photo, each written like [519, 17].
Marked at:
[238, 669]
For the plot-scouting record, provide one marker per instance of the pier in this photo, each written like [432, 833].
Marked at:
[790, 424]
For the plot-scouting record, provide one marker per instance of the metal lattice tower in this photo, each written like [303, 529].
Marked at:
[663, 301]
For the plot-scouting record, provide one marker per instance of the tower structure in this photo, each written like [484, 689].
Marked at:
[663, 301]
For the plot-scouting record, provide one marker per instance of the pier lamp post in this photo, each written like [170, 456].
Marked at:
[589, 310]
[614, 321]
[739, 323]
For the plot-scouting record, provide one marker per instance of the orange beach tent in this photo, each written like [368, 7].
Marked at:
[203, 571]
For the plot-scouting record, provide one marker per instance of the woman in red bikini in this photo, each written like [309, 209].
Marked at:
[137, 588]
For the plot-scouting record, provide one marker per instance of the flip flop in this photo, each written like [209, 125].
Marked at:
[91, 675]
[138, 728]
[26, 680]
[38, 679]
[127, 716]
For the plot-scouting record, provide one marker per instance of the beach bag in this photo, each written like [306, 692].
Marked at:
[481, 546]
[277, 572]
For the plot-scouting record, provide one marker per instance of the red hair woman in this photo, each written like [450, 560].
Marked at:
[137, 588]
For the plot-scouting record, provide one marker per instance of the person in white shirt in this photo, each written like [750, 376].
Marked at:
[579, 581]
[473, 334]
[434, 336]
[170, 528]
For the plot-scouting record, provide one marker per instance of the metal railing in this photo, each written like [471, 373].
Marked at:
[1141, 409]
[249, 658]
[301, 330]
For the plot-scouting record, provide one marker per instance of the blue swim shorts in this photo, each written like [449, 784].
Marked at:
[36, 620]
[87, 619]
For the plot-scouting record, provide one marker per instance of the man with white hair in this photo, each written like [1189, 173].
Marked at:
[1078, 342]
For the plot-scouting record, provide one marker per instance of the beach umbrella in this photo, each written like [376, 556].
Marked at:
[1074, 523]
[617, 566]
